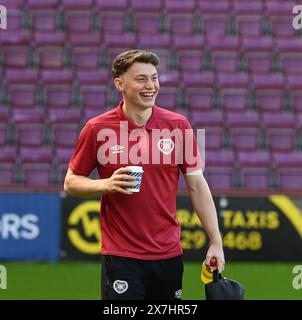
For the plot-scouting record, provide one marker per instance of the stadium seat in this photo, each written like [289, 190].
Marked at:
[117, 43]
[7, 165]
[26, 77]
[64, 125]
[258, 54]
[146, 16]
[49, 50]
[35, 166]
[79, 21]
[58, 96]
[268, 91]
[42, 5]
[294, 89]
[213, 123]
[180, 16]
[289, 51]
[280, 16]
[63, 156]
[12, 4]
[3, 126]
[159, 44]
[168, 96]
[15, 20]
[280, 131]
[254, 170]
[86, 50]
[224, 53]
[15, 49]
[28, 127]
[243, 129]
[44, 20]
[23, 95]
[288, 170]
[189, 53]
[219, 169]
[71, 5]
[93, 77]
[248, 18]
[113, 16]
[56, 77]
[94, 97]
[109, 6]
[199, 91]
[233, 91]
[215, 18]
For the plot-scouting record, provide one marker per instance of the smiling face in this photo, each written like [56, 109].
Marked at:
[139, 85]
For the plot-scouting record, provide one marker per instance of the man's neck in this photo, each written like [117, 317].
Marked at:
[138, 115]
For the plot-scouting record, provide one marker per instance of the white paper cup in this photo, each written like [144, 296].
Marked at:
[137, 172]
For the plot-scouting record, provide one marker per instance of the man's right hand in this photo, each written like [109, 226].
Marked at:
[119, 181]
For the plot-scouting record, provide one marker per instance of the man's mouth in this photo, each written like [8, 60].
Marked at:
[147, 94]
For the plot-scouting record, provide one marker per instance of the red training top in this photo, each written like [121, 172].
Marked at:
[143, 225]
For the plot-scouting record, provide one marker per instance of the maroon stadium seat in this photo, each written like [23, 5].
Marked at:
[289, 170]
[27, 76]
[213, 123]
[290, 51]
[180, 16]
[294, 87]
[22, 95]
[146, 16]
[7, 165]
[15, 48]
[199, 90]
[254, 170]
[268, 91]
[43, 21]
[248, 18]
[42, 5]
[3, 126]
[86, 50]
[35, 166]
[219, 169]
[63, 156]
[15, 20]
[233, 89]
[215, 17]
[117, 43]
[106, 6]
[224, 53]
[280, 16]
[243, 129]
[169, 87]
[71, 5]
[49, 50]
[12, 4]
[189, 53]
[64, 125]
[159, 44]
[258, 54]
[29, 127]
[280, 130]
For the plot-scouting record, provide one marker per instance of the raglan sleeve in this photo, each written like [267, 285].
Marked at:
[84, 158]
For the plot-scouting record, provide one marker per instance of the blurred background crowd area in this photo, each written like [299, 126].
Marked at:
[232, 67]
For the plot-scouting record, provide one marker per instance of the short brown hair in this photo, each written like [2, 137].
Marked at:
[126, 59]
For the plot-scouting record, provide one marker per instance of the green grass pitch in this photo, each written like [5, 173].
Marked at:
[81, 280]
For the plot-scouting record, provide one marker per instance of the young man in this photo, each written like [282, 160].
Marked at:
[141, 251]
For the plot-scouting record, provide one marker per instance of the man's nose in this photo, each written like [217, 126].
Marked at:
[149, 83]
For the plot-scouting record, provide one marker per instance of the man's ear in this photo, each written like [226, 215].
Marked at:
[119, 84]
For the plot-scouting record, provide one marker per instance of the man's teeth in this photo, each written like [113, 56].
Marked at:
[147, 94]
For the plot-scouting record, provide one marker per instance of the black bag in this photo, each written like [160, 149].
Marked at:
[223, 289]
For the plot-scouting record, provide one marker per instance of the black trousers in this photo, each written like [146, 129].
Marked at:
[135, 279]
